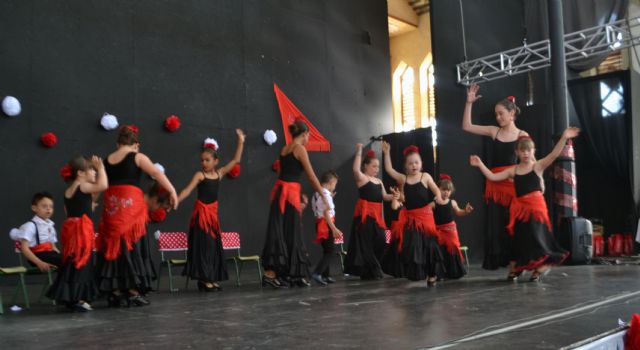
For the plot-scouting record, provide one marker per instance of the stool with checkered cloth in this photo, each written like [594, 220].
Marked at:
[231, 241]
[172, 243]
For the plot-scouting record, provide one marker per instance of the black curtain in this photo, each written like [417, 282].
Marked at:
[420, 137]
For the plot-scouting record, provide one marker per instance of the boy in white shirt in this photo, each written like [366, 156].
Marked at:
[324, 223]
[37, 236]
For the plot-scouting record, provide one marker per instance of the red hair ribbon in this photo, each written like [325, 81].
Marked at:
[512, 99]
[444, 176]
[162, 190]
[133, 128]
[276, 165]
[410, 149]
[524, 137]
[210, 145]
[371, 153]
[158, 215]
[66, 172]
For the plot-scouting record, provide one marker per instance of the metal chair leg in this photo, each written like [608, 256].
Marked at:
[171, 289]
[159, 275]
[235, 261]
[23, 285]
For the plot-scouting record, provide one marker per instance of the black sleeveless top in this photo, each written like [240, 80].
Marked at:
[416, 195]
[370, 192]
[79, 204]
[208, 190]
[290, 168]
[443, 214]
[503, 153]
[126, 172]
[527, 183]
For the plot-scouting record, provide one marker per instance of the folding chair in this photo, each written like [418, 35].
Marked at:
[464, 250]
[172, 242]
[20, 271]
[32, 270]
[339, 242]
[231, 241]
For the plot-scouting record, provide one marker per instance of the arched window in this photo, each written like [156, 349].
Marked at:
[407, 80]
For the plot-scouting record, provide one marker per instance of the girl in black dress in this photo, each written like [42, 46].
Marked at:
[367, 242]
[75, 284]
[205, 257]
[284, 256]
[534, 246]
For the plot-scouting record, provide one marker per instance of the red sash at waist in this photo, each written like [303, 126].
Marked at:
[322, 229]
[373, 210]
[42, 247]
[448, 236]
[78, 240]
[421, 219]
[290, 193]
[527, 207]
[207, 215]
[500, 192]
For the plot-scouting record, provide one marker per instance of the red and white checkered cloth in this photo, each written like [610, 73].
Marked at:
[172, 241]
[230, 240]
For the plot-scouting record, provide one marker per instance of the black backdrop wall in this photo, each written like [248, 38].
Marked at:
[210, 62]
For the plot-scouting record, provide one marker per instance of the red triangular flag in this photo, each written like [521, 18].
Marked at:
[289, 113]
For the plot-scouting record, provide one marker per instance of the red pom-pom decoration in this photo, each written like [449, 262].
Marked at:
[445, 177]
[276, 165]
[410, 149]
[234, 172]
[66, 172]
[133, 128]
[512, 99]
[158, 215]
[172, 123]
[632, 338]
[371, 153]
[48, 139]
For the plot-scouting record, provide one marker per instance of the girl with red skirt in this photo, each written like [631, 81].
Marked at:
[415, 236]
[125, 270]
[367, 241]
[534, 246]
[75, 285]
[205, 257]
[448, 239]
[284, 256]
[498, 194]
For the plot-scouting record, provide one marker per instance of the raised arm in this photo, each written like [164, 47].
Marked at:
[360, 178]
[147, 166]
[467, 124]
[386, 150]
[237, 156]
[503, 175]
[569, 133]
[461, 212]
[101, 183]
[184, 194]
[301, 154]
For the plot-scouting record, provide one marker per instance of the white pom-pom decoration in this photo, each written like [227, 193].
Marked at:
[11, 106]
[157, 234]
[212, 142]
[109, 121]
[270, 137]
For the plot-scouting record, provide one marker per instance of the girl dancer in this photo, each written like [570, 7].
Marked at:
[534, 246]
[205, 258]
[417, 239]
[367, 242]
[123, 268]
[447, 230]
[75, 284]
[498, 195]
[284, 256]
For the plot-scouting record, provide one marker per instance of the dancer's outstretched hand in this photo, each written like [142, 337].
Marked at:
[468, 208]
[475, 160]
[472, 91]
[241, 135]
[571, 132]
[386, 147]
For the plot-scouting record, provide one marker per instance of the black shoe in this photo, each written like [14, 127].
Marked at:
[329, 280]
[202, 286]
[316, 277]
[284, 282]
[513, 276]
[273, 282]
[116, 300]
[137, 300]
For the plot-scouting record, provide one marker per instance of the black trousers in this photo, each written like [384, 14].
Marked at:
[50, 257]
[327, 253]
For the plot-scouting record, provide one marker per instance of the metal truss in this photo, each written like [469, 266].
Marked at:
[578, 45]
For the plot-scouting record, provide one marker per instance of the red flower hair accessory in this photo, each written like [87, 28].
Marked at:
[276, 165]
[48, 139]
[158, 215]
[512, 99]
[172, 123]
[524, 137]
[371, 153]
[410, 149]
[234, 172]
[66, 172]
[444, 176]
[133, 128]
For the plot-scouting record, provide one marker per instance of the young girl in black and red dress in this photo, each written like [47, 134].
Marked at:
[367, 242]
[284, 256]
[124, 269]
[392, 263]
[447, 231]
[498, 194]
[417, 239]
[205, 257]
[534, 246]
[75, 284]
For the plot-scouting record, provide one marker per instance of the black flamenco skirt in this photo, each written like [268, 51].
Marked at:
[205, 257]
[454, 266]
[534, 245]
[497, 242]
[392, 263]
[284, 251]
[72, 285]
[364, 247]
[421, 255]
[130, 270]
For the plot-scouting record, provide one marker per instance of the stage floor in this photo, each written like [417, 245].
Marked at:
[571, 304]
